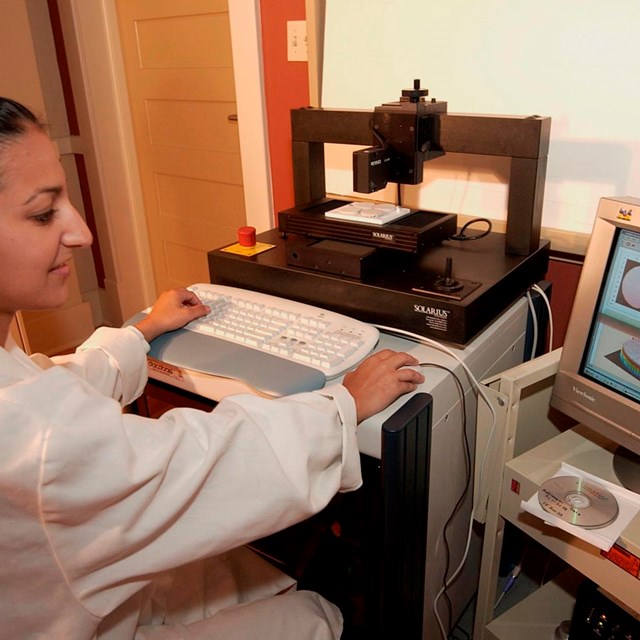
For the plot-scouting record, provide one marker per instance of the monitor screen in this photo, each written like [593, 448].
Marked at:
[613, 344]
[598, 381]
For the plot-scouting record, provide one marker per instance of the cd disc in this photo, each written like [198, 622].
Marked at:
[578, 501]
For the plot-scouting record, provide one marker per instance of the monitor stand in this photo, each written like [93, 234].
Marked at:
[626, 465]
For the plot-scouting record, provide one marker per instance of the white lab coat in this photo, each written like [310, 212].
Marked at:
[106, 518]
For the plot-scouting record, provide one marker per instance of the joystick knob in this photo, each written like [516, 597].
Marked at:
[446, 282]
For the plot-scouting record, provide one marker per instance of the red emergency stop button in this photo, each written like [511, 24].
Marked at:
[247, 236]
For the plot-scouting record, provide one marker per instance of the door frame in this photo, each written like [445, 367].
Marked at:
[99, 83]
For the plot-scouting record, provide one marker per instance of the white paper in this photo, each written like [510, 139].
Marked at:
[603, 537]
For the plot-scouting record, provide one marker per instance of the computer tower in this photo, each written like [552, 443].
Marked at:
[596, 616]
[366, 550]
[388, 535]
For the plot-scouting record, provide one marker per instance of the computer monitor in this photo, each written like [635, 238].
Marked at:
[598, 381]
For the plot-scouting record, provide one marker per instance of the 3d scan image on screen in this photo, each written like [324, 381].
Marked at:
[612, 356]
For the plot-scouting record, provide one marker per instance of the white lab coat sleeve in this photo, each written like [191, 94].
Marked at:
[113, 361]
[351, 476]
[123, 498]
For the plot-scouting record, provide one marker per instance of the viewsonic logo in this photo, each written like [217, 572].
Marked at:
[583, 394]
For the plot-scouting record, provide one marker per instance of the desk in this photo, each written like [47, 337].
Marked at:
[429, 501]
[523, 469]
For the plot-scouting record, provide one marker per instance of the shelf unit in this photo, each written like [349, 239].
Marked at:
[520, 466]
[538, 615]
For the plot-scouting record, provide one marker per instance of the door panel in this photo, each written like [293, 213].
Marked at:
[171, 42]
[217, 135]
[179, 70]
[185, 200]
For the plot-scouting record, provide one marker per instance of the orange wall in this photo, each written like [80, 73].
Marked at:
[564, 278]
[286, 88]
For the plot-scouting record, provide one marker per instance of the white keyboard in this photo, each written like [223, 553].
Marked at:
[329, 342]
[369, 212]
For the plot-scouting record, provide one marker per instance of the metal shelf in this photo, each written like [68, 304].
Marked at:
[537, 616]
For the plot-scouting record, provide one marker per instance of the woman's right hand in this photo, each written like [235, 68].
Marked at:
[381, 379]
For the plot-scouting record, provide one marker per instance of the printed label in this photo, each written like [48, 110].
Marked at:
[435, 318]
[623, 559]
[164, 368]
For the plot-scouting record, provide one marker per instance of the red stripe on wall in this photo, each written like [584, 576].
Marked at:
[74, 129]
[90, 217]
[63, 66]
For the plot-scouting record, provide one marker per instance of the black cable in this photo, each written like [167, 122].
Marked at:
[463, 238]
[467, 453]
[376, 134]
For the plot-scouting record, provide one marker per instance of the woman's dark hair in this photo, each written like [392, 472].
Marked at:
[15, 119]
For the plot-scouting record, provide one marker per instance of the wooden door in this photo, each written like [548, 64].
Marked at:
[179, 70]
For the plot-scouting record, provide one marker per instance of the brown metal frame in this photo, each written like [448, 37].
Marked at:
[523, 139]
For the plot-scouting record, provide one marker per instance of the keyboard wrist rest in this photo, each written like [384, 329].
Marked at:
[207, 354]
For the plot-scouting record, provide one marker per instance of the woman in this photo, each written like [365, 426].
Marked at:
[118, 526]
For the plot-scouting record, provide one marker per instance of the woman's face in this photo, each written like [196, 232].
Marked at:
[38, 225]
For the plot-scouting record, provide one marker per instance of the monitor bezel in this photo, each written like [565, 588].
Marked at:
[576, 395]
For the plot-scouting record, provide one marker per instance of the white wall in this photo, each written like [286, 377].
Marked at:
[575, 61]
